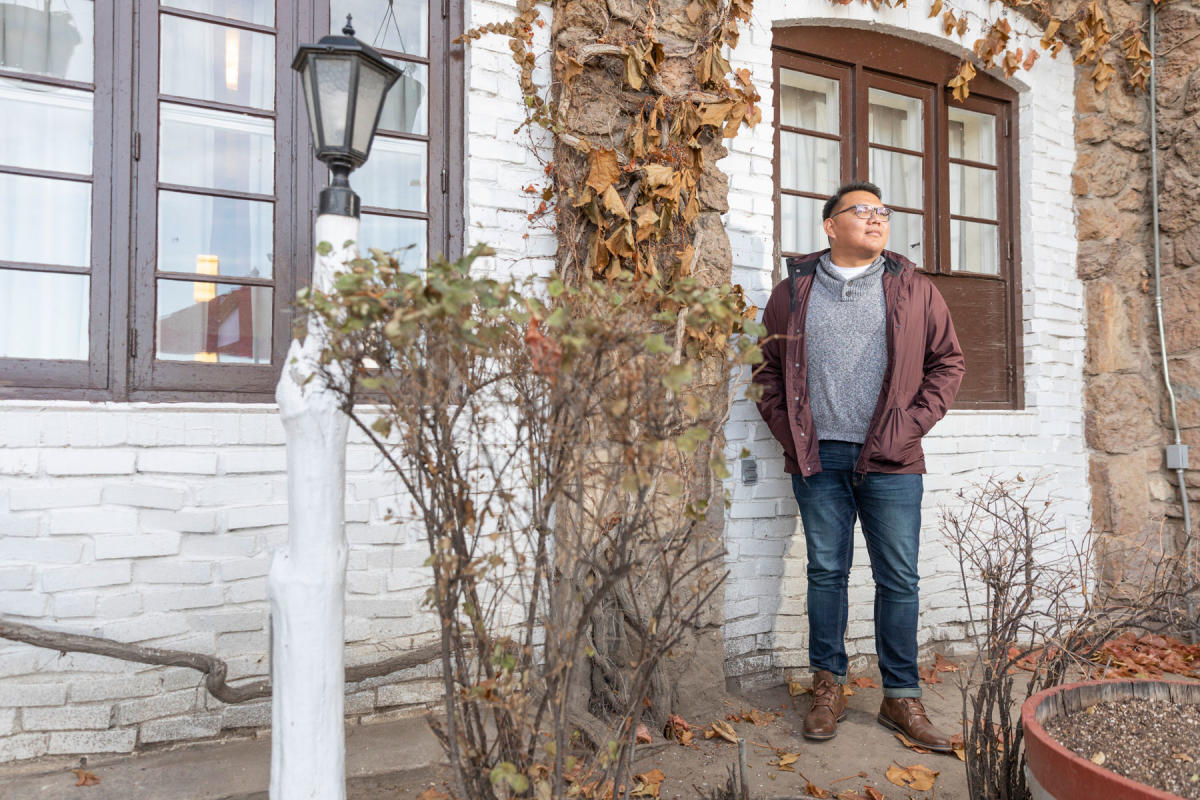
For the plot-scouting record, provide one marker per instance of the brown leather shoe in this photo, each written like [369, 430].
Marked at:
[828, 707]
[907, 715]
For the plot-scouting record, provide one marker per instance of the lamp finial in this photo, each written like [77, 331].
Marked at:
[349, 29]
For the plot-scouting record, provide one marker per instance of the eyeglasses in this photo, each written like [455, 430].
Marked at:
[864, 211]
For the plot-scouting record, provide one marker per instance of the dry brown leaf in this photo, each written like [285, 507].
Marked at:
[943, 664]
[603, 169]
[873, 793]
[1182, 757]
[649, 783]
[657, 174]
[572, 69]
[865, 682]
[613, 203]
[760, 717]
[918, 776]
[85, 777]
[796, 688]
[935, 9]
[722, 728]
[643, 735]
[815, 791]
[916, 748]
[693, 11]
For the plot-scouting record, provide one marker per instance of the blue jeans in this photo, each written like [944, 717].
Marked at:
[889, 508]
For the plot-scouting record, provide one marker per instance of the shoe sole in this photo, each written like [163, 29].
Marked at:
[937, 748]
[824, 737]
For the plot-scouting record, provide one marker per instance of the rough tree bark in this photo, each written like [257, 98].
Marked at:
[634, 85]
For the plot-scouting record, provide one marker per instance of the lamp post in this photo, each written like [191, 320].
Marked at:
[345, 83]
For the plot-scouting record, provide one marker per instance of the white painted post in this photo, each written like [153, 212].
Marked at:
[307, 581]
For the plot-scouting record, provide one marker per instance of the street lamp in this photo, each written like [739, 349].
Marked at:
[345, 83]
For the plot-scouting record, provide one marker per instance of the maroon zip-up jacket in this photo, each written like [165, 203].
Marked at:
[924, 369]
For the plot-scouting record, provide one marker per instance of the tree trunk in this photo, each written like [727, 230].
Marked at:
[628, 94]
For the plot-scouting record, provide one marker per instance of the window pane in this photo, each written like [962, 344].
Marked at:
[974, 247]
[214, 235]
[261, 12]
[47, 37]
[216, 149]
[45, 127]
[972, 135]
[972, 191]
[896, 120]
[907, 236]
[45, 221]
[800, 224]
[900, 178]
[213, 322]
[808, 101]
[218, 63]
[809, 163]
[394, 177]
[399, 25]
[404, 238]
[43, 315]
[406, 108]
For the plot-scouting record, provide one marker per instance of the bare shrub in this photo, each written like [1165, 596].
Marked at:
[1036, 608]
[549, 439]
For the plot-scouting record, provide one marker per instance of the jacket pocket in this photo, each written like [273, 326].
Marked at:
[900, 439]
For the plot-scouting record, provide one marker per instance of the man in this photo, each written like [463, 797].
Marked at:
[861, 360]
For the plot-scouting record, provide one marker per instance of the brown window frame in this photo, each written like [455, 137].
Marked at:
[122, 297]
[986, 308]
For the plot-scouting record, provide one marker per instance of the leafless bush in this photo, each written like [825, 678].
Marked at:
[1036, 608]
[561, 453]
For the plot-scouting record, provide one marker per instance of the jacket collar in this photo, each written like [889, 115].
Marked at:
[893, 264]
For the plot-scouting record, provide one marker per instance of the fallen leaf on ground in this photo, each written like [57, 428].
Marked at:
[916, 748]
[865, 682]
[1181, 757]
[847, 794]
[649, 783]
[760, 717]
[930, 675]
[873, 793]
[85, 777]
[958, 746]
[943, 664]
[678, 729]
[643, 734]
[796, 688]
[785, 761]
[723, 730]
[918, 776]
[811, 788]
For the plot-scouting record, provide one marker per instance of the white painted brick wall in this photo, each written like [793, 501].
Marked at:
[1046, 437]
[154, 523]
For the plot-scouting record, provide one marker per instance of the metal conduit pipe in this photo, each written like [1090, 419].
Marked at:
[1177, 454]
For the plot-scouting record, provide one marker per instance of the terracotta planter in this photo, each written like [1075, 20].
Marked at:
[1056, 773]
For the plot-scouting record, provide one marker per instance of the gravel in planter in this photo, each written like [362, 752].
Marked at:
[1153, 742]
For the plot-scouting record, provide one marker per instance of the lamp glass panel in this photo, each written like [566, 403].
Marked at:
[406, 108]
[45, 127]
[372, 85]
[214, 149]
[215, 235]
[43, 315]
[400, 25]
[48, 37]
[306, 78]
[213, 322]
[332, 74]
[45, 220]
[260, 12]
[217, 62]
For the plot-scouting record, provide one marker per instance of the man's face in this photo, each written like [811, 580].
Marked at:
[854, 238]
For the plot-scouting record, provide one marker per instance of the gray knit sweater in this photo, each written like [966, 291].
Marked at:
[847, 350]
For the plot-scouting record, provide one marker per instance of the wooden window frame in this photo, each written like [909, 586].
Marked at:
[123, 278]
[981, 303]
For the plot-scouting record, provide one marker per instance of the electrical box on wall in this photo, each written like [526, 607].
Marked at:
[1177, 456]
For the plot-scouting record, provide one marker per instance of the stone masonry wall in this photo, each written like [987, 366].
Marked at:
[1128, 419]
[766, 629]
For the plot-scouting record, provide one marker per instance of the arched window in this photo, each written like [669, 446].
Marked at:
[857, 105]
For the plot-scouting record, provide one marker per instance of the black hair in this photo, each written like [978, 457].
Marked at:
[845, 189]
